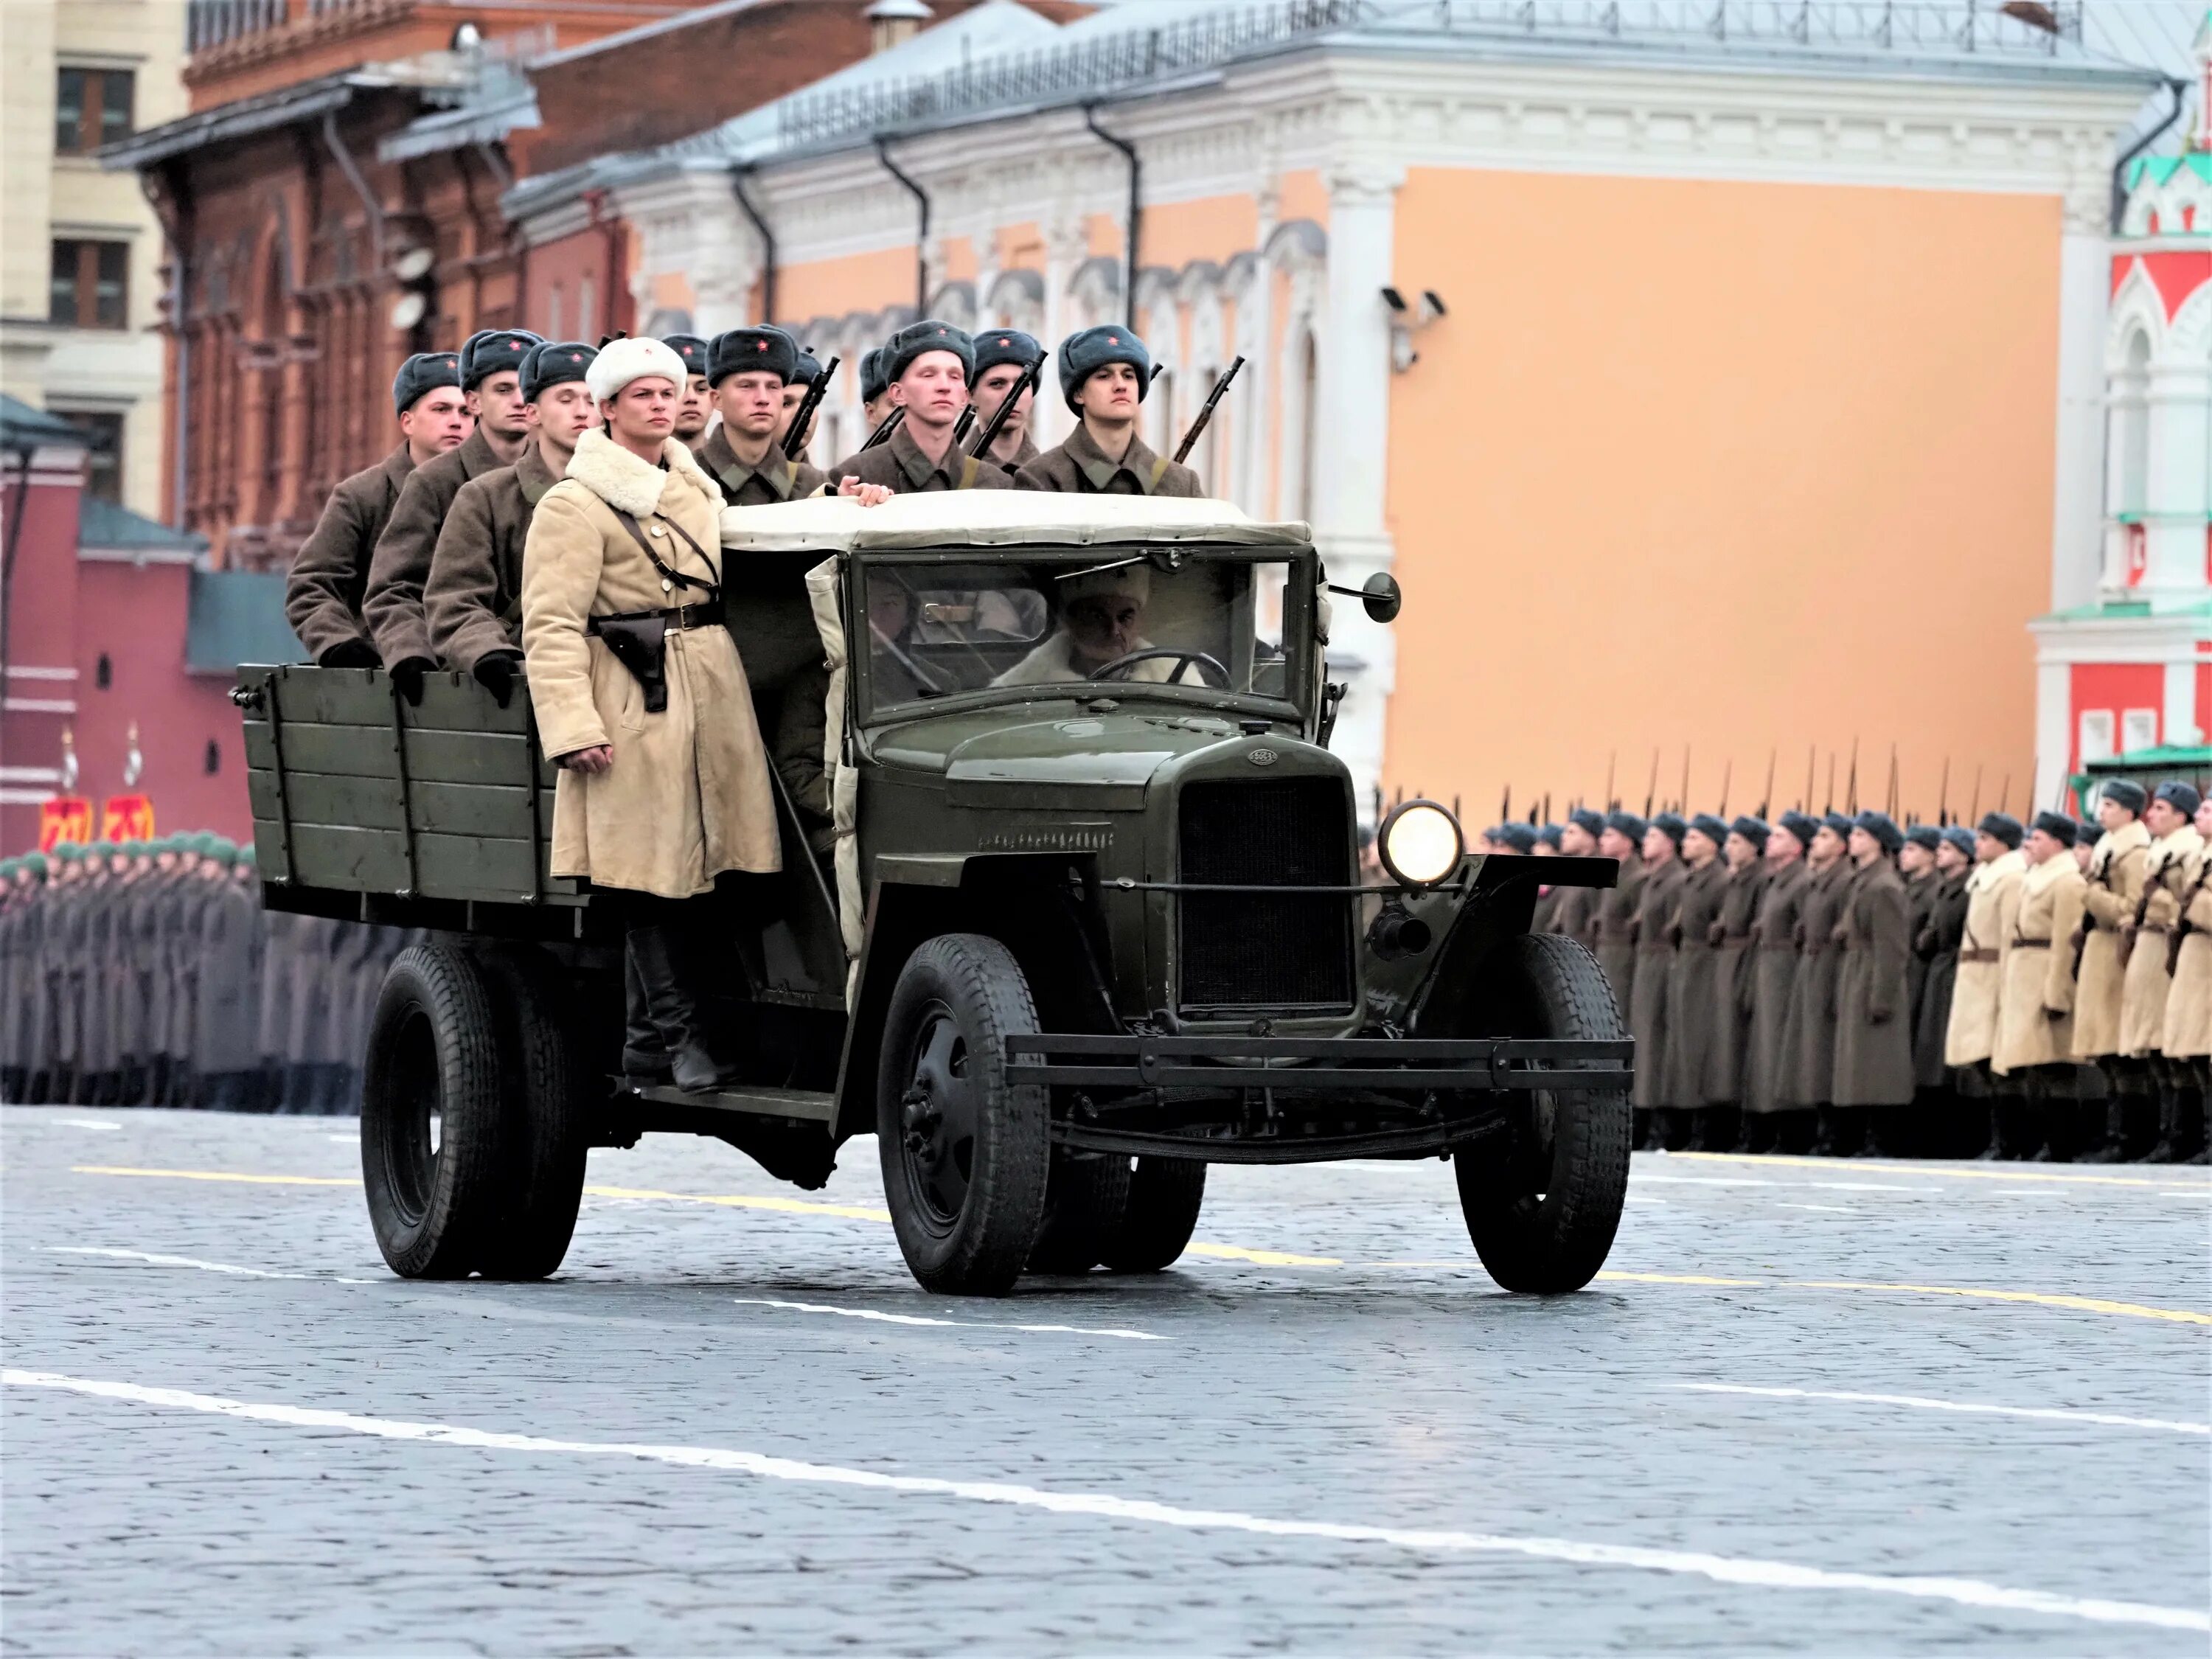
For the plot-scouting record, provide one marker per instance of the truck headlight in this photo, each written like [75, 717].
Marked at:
[1420, 844]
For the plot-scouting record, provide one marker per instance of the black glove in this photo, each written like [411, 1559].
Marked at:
[351, 654]
[407, 677]
[495, 673]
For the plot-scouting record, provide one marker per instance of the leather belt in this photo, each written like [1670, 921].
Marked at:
[1980, 953]
[707, 613]
[2029, 945]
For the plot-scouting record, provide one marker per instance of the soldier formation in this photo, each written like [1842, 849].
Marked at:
[1840, 985]
[146, 974]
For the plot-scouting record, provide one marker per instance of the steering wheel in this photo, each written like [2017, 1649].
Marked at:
[1114, 670]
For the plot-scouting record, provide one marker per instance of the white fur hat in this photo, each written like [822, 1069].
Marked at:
[621, 362]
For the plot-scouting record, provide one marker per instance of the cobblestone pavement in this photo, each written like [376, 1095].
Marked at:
[1390, 1455]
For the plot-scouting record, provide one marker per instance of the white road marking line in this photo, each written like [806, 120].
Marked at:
[1801, 1186]
[1826, 1209]
[2041, 1414]
[1705, 1181]
[1721, 1569]
[962, 1324]
[153, 1260]
[1633, 1199]
[81, 1123]
[347, 1140]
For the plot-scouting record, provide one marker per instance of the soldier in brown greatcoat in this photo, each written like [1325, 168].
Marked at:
[1573, 911]
[1916, 864]
[1935, 946]
[1769, 1080]
[2116, 887]
[926, 366]
[491, 366]
[875, 391]
[1721, 1125]
[1002, 356]
[1811, 1040]
[2169, 874]
[1105, 374]
[323, 594]
[472, 598]
[695, 410]
[1613, 927]
[1692, 1020]
[1873, 1019]
[1658, 899]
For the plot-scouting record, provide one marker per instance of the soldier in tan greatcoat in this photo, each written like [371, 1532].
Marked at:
[1970, 1039]
[2187, 1039]
[2116, 887]
[1768, 1089]
[2168, 875]
[2036, 998]
[664, 784]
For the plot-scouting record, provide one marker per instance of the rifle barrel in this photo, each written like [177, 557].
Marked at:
[1205, 411]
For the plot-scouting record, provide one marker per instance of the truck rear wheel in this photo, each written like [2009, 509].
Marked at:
[430, 1113]
[1085, 1201]
[1158, 1217]
[1543, 1207]
[546, 1120]
[964, 1152]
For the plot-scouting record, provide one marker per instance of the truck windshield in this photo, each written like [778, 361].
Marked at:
[1159, 618]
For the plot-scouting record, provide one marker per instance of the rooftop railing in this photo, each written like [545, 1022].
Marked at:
[1104, 64]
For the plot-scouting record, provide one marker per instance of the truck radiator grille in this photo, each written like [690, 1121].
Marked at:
[1267, 950]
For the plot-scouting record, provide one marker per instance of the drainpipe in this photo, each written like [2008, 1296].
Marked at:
[1130, 226]
[344, 157]
[738, 176]
[921, 238]
[7, 560]
[2175, 91]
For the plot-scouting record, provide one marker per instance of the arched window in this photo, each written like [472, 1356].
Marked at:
[2131, 428]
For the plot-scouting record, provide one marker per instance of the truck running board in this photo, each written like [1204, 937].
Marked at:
[807, 1104]
[1228, 1061]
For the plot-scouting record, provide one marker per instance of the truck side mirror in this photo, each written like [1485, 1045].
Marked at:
[1381, 596]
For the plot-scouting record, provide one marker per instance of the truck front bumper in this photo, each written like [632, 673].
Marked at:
[1319, 1064]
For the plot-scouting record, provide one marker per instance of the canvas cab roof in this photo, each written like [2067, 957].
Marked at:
[995, 518]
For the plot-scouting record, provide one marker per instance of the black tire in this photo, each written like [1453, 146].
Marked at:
[964, 1152]
[1543, 1207]
[1084, 1201]
[546, 1117]
[433, 1045]
[1159, 1215]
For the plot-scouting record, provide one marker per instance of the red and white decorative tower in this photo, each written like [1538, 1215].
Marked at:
[2130, 670]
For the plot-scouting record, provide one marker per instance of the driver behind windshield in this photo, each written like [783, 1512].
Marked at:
[1100, 612]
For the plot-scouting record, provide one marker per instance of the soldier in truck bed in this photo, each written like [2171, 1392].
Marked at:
[1002, 356]
[473, 598]
[323, 595]
[926, 365]
[1105, 374]
[492, 364]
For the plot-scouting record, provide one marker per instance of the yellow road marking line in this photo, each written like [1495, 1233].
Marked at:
[745, 1202]
[220, 1175]
[2085, 1303]
[1238, 1253]
[1946, 1171]
[1265, 1258]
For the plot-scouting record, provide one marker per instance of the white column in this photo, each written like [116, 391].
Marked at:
[1066, 245]
[2183, 721]
[2175, 504]
[1350, 489]
[2054, 725]
[2084, 286]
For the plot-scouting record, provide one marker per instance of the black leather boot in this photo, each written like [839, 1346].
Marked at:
[2106, 1128]
[644, 1060]
[673, 1010]
[1827, 1129]
[2160, 1150]
[2197, 1101]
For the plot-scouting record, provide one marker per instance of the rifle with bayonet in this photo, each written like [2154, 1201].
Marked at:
[1005, 411]
[889, 425]
[1205, 411]
[2183, 927]
[794, 437]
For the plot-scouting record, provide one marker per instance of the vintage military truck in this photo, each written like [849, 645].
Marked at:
[1094, 918]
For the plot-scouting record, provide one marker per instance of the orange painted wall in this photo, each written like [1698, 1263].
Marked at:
[830, 287]
[1215, 227]
[1735, 466]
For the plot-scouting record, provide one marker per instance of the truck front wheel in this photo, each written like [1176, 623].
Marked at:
[430, 1111]
[1542, 1205]
[964, 1152]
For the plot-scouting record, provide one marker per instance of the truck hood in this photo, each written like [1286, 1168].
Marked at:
[1108, 749]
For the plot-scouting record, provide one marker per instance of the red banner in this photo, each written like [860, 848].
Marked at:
[63, 817]
[126, 817]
